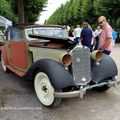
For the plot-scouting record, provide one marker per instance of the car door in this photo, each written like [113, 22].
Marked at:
[17, 51]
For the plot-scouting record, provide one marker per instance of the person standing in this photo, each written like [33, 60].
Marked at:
[71, 33]
[96, 37]
[114, 35]
[86, 35]
[77, 32]
[106, 41]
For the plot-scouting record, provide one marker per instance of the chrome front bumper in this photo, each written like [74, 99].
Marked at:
[80, 93]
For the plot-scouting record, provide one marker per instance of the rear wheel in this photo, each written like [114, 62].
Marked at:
[45, 91]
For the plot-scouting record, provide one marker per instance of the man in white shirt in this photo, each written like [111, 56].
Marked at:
[77, 33]
[96, 37]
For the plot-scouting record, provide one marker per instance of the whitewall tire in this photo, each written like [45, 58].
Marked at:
[44, 90]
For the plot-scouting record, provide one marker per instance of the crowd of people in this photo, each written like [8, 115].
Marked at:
[102, 38]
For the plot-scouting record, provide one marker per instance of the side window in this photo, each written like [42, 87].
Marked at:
[8, 35]
[16, 34]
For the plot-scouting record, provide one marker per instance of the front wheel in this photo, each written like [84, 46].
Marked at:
[45, 91]
[104, 87]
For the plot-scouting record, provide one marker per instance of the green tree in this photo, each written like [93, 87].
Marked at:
[6, 10]
[77, 11]
[22, 11]
[118, 24]
[108, 8]
[88, 12]
[28, 10]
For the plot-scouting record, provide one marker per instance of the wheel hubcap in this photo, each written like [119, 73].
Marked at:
[44, 89]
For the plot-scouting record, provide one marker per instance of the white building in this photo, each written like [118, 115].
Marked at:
[5, 22]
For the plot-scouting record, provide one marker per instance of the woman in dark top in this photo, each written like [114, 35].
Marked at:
[86, 35]
[71, 32]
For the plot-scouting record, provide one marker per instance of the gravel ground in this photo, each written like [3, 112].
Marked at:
[19, 102]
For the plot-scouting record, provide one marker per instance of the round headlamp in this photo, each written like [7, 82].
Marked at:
[66, 59]
[97, 55]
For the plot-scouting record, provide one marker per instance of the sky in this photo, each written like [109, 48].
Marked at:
[49, 10]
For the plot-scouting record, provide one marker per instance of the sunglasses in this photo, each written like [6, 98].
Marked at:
[101, 22]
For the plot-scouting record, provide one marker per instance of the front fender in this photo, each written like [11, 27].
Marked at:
[58, 75]
[107, 68]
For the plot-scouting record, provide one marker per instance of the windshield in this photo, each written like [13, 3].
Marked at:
[47, 31]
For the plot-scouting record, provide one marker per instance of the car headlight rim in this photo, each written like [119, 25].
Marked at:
[97, 55]
[66, 59]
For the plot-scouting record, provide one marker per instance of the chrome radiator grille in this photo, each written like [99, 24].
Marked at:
[81, 65]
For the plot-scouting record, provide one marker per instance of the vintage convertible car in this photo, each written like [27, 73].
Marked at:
[59, 67]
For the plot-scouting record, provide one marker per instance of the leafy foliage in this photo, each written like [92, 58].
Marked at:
[118, 23]
[77, 11]
[108, 8]
[72, 13]
[32, 9]
[6, 10]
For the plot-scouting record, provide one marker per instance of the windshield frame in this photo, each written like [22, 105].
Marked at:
[56, 32]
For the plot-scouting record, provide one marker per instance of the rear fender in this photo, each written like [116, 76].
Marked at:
[58, 75]
[106, 69]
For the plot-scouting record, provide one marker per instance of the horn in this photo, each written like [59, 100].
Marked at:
[97, 55]
[66, 59]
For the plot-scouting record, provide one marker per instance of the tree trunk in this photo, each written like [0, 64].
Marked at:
[21, 16]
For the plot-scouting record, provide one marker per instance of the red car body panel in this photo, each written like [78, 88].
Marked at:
[13, 50]
[18, 50]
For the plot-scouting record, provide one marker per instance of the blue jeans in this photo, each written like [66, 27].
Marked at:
[107, 52]
[97, 45]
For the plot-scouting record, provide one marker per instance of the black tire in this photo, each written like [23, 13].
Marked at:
[44, 90]
[105, 87]
[101, 89]
[57, 101]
